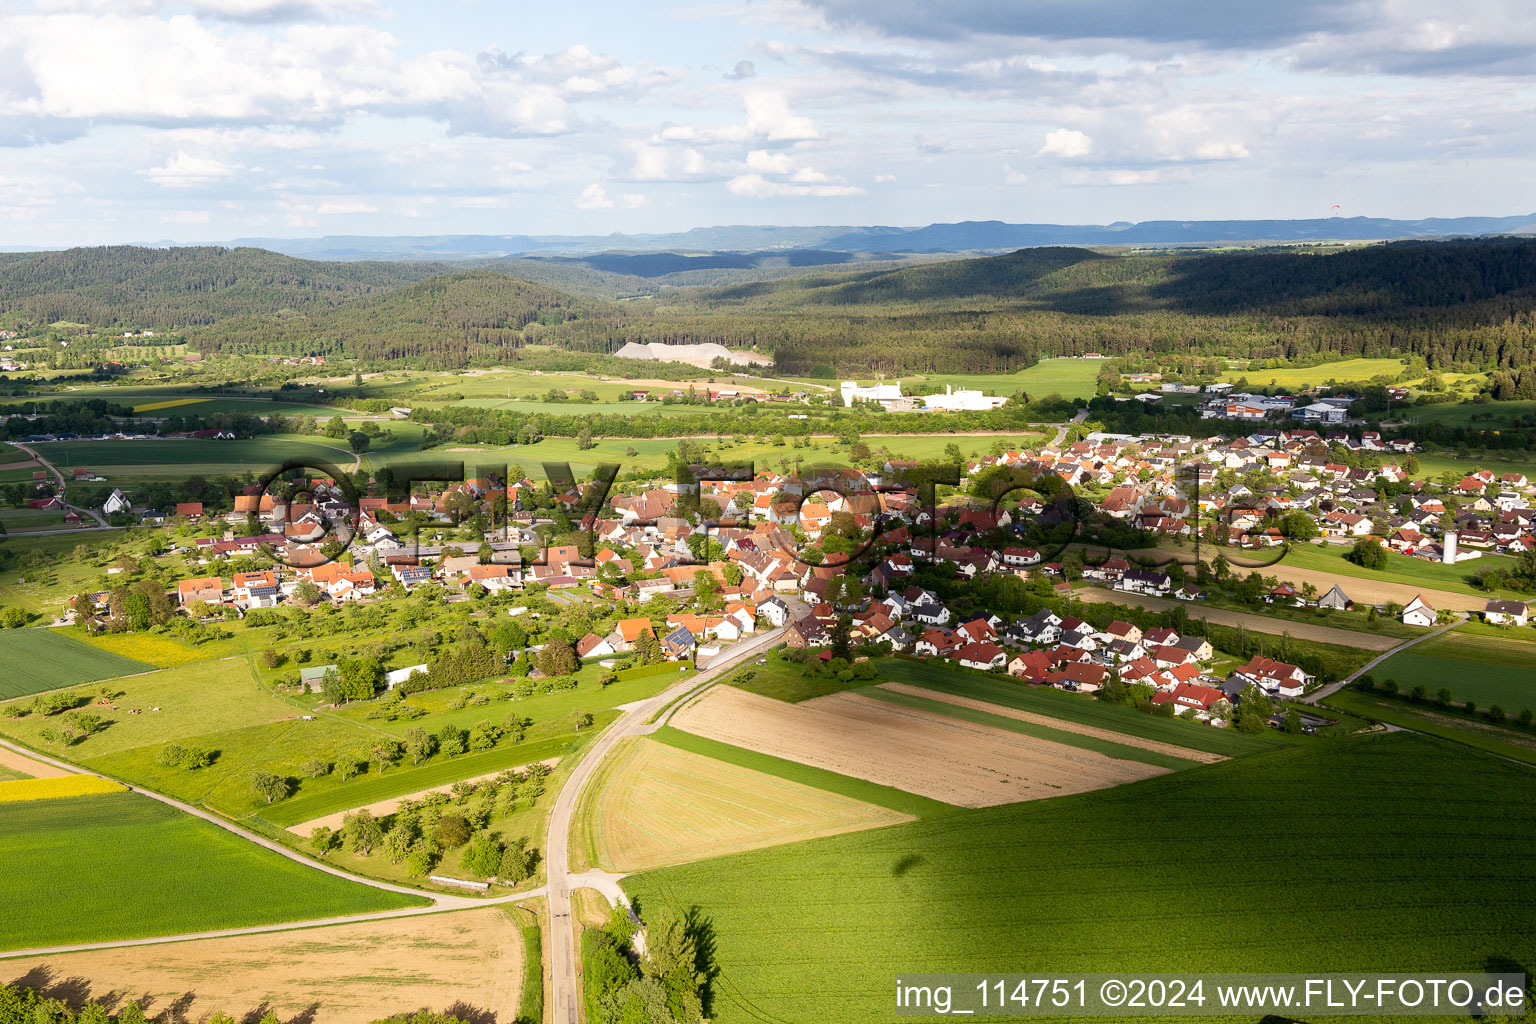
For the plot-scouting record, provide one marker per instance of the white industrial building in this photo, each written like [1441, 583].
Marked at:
[962, 401]
[890, 396]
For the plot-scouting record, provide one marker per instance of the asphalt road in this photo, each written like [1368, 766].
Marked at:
[101, 524]
[565, 964]
[1332, 688]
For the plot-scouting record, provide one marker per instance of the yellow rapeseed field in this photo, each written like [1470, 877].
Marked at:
[52, 789]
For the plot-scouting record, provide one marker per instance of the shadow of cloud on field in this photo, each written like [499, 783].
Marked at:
[905, 864]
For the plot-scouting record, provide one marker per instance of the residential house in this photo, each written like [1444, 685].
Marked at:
[1418, 612]
[1506, 613]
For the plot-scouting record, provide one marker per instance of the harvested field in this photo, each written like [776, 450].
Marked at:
[382, 807]
[27, 766]
[656, 805]
[346, 974]
[943, 758]
[1156, 746]
[1259, 623]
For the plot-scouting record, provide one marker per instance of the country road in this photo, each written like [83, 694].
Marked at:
[101, 524]
[439, 902]
[1061, 431]
[565, 968]
[1332, 688]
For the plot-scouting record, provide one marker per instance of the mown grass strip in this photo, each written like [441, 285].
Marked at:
[440, 772]
[53, 789]
[818, 778]
[530, 1002]
[1073, 708]
[1108, 748]
[1380, 711]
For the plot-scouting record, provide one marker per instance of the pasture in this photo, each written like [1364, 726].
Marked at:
[158, 651]
[349, 974]
[143, 868]
[652, 804]
[1116, 879]
[45, 659]
[159, 706]
[932, 755]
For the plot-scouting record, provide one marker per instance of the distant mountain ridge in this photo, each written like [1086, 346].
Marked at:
[966, 236]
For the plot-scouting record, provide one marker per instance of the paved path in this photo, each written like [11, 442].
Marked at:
[439, 902]
[1332, 688]
[382, 808]
[101, 524]
[1251, 620]
[565, 969]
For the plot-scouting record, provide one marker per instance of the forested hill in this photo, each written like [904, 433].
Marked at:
[1384, 279]
[443, 322]
[163, 289]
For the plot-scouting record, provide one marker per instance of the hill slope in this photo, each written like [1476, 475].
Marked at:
[444, 321]
[164, 289]
[1386, 836]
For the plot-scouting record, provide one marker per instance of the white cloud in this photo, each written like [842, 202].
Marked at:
[755, 186]
[1066, 142]
[633, 200]
[1013, 177]
[593, 197]
[183, 171]
[764, 162]
[345, 206]
[768, 115]
[187, 217]
[881, 179]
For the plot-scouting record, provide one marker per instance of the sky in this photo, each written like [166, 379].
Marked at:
[142, 120]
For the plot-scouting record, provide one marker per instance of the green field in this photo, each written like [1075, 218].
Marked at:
[121, 461]
[1073, 707]
[818, 778]
[1070, 378]
[1344, 371]
[1318, 857]
[1413, 572]
[120, 866]
[1489, 416]
[45, 659]
[1486, 669]
[1472, 730]
[224, 707]
[651, 453]
[193, 700]
[23, 520]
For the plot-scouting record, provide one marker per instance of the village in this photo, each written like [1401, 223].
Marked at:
[774, 551]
